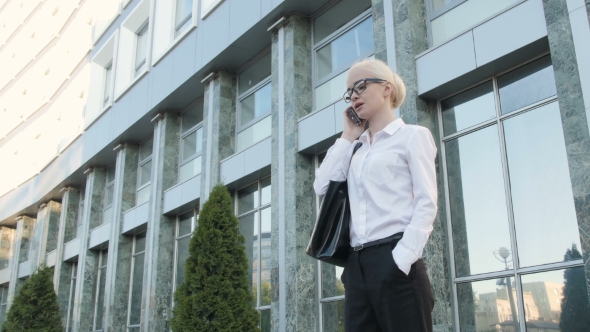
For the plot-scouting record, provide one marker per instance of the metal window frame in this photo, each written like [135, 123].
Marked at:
[517, 271]
[73, 277]
[140, 33]
[107, 88]
[258, 209]
[132, 270]
[100, 270]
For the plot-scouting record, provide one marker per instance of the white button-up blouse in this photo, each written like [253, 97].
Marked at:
[391, 187]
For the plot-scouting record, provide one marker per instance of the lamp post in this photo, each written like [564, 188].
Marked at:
[502, 255]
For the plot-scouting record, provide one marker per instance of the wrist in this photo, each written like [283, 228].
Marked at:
[348, 137]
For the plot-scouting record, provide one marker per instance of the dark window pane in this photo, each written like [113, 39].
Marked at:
[189, 146]
[331, 282]
[249, 229]
[248, 198]
[527, 85]
[182, 255]
[490, 305]
[265, 259]
[100, 298]
[542, 198]
[255, 74]
[478, 201]
[265, 320]
[337, 16]
[193, 115]
[145, 150]
[145, 173]
[185, 222]
[255, 105]
[333, 316]
[136, 290]
[139, 243]
[468, 108]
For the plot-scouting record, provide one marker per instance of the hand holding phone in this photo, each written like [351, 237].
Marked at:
[354, 117]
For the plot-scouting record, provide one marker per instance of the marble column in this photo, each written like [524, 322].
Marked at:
[410, 39]
[573, 115]
[159, 263]
[219, 130]
[66, 230]
[45, 236]
[6, 245]
[119, 263]
[24, 228]
[293, 273]
[88, 259]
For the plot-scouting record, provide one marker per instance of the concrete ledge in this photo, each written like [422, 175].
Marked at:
[5, 275]
[24, 269]
[51, 258]
[253, 162]
[135, 218]
[183, 196]
[99, 237]
[71, 249]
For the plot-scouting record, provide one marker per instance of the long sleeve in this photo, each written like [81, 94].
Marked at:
[422, 153]
[334, 167]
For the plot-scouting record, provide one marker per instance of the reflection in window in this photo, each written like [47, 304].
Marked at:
[542, 198]
[468, 108]
[136, 284]
[184, 13]
[107, 213]
[107, 84]
[254, 213]
[185, 226]
[191, 141]
[141, 46]
[70, 313]
[144, 173]
[526, 85]
[101, 277]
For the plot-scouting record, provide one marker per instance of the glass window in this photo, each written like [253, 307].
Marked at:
[333, 316]
[511, 204]
[80, 216]
[136, 288]
[468, 108]
[184, 12]
[191, 141]
[141, 49]
[438, 4]
[101, 276]
[254, 104]
[185, 226]
[144, 173]
[463, 17]
[208, 5]
[336, 17]
[351, 41]
[527, 85]
[70, 312]
[107, 213]
[254, 213]
[107, 83]
[3, 303]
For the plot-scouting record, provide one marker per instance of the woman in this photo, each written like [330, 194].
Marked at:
[392, 192]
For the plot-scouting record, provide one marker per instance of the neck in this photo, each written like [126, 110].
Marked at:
[380, 120]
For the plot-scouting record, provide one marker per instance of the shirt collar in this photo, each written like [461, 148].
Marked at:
[390, 129]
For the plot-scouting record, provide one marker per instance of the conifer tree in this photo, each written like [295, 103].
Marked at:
[215, 294]
[575, 311]
[35, 307]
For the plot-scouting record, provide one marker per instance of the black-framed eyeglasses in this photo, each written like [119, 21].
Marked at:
[359, 87]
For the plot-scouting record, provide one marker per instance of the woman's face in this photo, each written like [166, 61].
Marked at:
[371, 100]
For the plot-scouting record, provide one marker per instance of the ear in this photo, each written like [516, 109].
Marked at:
[388, 91]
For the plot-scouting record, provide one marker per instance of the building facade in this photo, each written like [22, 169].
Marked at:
[118, 117]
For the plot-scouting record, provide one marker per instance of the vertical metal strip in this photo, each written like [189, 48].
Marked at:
[281, 180]
[209, 140]
[389, 36]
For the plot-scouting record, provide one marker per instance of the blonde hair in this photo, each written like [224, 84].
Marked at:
[380, 69]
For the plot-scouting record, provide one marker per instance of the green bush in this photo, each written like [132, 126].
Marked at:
[35, 307]
[215, 295]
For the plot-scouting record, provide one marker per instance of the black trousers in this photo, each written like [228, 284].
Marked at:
[381, 297]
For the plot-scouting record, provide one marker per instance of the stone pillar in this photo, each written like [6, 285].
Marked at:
[45, 236]
[159, 263]
[219, 130]
[573, 114]
[293, 273]
[6, 245]
[20, 253]
[409, 37]
[67, 230]
[119, 262]
[88, 259]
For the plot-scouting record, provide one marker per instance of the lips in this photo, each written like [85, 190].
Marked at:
[357, 105]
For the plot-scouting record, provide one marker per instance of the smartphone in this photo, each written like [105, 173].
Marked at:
[354, 117]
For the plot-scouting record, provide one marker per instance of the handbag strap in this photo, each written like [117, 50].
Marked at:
[356, 147]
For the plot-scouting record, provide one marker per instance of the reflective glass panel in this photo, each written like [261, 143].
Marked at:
[189, 169]
[108, 195]
[184, 9]
[136, 290]
[527, 85]
[338, 16]
[255, 74]
[468, 108]
[110, 174]
[193, 116]
[255, 133]
[143, 195]
[331, 91]
[438, 4]
[342, 52]
[265, 320]
[185, 222]
[542, 198]
[139, 243]
[249, 229]
[333, 316]
[145, 173]
[107, 83]
[464, 17]
[265, 195]
[490, 305]
[477, 195]
[141, 47]
[255, 105]
[181, 256]
[145, 150]
[265, 256]
[107, 215]
[189, 146]
[331, 282]
[248, 198]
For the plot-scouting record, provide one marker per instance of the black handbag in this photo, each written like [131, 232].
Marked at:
[330, 239]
